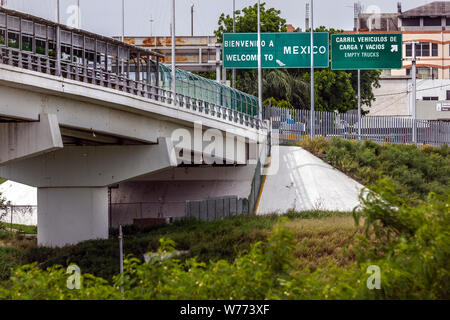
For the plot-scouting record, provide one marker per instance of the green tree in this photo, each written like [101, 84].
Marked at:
[247, 20]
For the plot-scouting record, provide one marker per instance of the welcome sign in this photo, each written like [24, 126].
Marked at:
[278, 50]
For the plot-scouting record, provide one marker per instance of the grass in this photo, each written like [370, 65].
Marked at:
[19, 227]
[414, 172]
[2, 180]
[321, 238]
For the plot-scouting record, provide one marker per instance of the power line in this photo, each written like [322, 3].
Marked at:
[405, 92]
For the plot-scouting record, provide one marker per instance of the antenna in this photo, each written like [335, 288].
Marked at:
[307, 17]
[151, 25]
[192, 19]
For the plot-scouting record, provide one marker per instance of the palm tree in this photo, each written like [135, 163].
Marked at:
[282, 85]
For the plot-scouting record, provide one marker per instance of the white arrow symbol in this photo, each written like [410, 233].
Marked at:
[281, 64]
[394, 48]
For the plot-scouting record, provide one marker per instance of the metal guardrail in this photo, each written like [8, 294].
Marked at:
[294, 124]
[73, 71]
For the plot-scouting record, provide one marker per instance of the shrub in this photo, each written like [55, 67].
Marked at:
[409, 244]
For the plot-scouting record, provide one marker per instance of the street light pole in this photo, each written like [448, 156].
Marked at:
[123, 31]
[233, 77]
[57, 12]
[313, 118]
[259, 63]
[414, 88]
[174, 88]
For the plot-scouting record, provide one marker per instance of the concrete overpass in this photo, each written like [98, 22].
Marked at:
[80, 112]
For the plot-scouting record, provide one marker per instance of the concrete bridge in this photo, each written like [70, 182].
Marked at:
[80, 113]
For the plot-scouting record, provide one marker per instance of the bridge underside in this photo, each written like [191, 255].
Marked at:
[73, 149]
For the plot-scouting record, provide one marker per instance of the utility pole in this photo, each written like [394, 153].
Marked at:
[313, 118]
[58, 40]
[233, 76]
[259, 63]
[57, 12]
[414, 89]
[79, 15]
[121, 257]
[123, 31]
[174, 87]
[192, 20]
[359, 81]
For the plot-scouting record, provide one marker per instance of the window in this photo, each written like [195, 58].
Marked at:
[411, 22]
[52, 49]
[409, 50]
[448, 21]
[448, 91]
[422, 49]
[2, 37]
[40, 46]
[13, 40]
[27, 43]
[434, 50]
[425, 50]
[430, 98]
[424, 73]
[432, 22]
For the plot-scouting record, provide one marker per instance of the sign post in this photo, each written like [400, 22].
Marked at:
[313, 115]
[278, 50]
[366, 51]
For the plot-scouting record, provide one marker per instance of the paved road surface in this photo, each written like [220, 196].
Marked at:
[304, 182]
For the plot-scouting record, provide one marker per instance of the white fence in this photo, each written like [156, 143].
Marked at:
[295, 124]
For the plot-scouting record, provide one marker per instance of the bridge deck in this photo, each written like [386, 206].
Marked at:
[40, 45]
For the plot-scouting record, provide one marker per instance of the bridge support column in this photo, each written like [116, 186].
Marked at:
[73, 185]
[71, 215]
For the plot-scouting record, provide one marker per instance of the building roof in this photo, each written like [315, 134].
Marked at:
[433, 9]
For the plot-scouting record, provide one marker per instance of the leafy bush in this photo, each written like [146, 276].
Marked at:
[409, 244]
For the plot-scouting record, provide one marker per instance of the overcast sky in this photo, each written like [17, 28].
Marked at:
[104, 16]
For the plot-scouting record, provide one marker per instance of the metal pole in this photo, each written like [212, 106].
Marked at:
[174, 87]
[123, 30]
[414, 88]
[58, 41]
[57, 12]
[233, 77]
[79, 15]
[359, 95]
[259, 63]
[121, 256]
[192, 20]
[312, 72]
[359, 104]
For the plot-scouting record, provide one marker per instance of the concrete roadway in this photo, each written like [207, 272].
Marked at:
[304, 182]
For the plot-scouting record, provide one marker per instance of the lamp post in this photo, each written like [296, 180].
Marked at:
[313, 118]
[233, 77]
[259, 63]
[174, 88]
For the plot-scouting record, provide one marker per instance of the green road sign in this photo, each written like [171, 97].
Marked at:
[278, 50]
[366, 51]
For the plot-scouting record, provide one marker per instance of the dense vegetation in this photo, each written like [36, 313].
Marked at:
[319, 242]
[402, 227]
[408, 244]
[413, 172]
